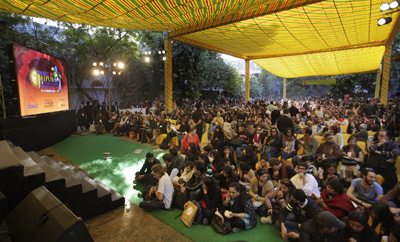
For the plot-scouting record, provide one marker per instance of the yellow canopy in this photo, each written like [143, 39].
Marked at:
[290, 38]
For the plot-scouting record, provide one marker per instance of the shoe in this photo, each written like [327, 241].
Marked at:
[205, 221]
[266, 220]
[235, 230]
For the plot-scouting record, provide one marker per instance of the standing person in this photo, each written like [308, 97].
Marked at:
[383, 154]
[87, 109]
[284, 121]
[241, 213]
[80, 115]
[160, 196]
[197, 120]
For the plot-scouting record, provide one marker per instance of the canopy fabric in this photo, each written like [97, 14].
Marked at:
[289, 38]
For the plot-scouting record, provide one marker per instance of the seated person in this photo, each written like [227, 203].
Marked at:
[328, 175]
[278, 199]
[300, 209]
[311, 168]
[361, 135]
[177, 159]
[323, 227]
[99, 122]
[170, 166]
[160, 196]
[365, 191]
[280, 169]
[193, 186]
[245, 174]
[334, 200]
[244, 137]
[212, 198]
[186, 175]
[357, 228]
[352, 160]
[189, 138]
[289, 144]
[260, 186]
[310, 146]
[273, 144]
[262, 164]
[327, 152]
[240, 211]
[229, 156]
[392, 198]
[305, 181]
[227, 177]
[381, 219]
[144, 175]
[382, 159]
[249, 157]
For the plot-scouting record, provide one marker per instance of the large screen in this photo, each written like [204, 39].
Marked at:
[42, 82]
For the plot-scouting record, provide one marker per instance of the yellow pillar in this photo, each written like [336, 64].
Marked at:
[284, 87]
[247, 79]
[378, 82]
[168, 74]
[385, 74]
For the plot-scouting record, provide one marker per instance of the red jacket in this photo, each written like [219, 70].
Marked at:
[340, 205]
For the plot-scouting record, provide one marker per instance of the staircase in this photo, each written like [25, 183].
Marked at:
[21, 172]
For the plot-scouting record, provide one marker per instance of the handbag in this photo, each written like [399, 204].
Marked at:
[348, 162]
[219, 225]
[236, 142]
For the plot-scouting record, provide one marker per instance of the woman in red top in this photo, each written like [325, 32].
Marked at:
[190, 137]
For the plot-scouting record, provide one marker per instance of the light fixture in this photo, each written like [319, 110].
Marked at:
[101, 63]
[163, 51]
[115, 64]
[383, 21]
[385, 7]
[94, 63]
[96, 72]
[147, 59]
[145, 52]
[159, 52]
[149, 52]
[102, 72]
[114, 73]
[394, 4]
[164, 58]
[121, 65]
[119, 73]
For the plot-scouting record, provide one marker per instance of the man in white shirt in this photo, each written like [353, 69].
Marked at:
[305, 181]
[160, 196]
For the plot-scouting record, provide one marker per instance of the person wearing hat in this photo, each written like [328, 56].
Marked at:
[323, 227]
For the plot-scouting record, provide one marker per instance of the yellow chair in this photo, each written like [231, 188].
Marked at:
[344, 129]
[160, 138]
[379, 179]
[371, 133]
[362, 145]
[345, 138]
[398, 167]
[204, 139]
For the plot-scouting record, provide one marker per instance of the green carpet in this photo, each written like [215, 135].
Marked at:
[86, 151]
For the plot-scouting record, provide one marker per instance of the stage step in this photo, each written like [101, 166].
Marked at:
[30, 167]
[7, 158]
[51, 174]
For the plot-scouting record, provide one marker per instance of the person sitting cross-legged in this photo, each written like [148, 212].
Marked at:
[305, 181]
[160, 196]
[323, 227]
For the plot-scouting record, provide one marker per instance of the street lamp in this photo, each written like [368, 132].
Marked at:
[101, 69]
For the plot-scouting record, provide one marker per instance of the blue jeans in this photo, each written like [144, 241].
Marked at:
[180, 137]
[238, 151]
[286, 156]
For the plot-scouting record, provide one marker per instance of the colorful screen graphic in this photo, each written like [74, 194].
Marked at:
[42, 82]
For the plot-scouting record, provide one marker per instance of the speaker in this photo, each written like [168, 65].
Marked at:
[42, 217]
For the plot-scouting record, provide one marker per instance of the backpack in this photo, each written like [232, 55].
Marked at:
[199, 216]
[179, 199]
[219, 225]
[165, 144]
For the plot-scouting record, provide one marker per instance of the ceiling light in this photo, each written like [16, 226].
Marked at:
[385, 7]
[102, 72]
[101, 63]
[121, 65]
[164, 58]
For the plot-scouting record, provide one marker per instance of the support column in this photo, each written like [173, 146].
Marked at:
[168, 74]
[247, 80]
[385, 74]
[284, 87]
[378, 82]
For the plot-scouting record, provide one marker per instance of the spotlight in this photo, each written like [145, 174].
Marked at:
[102, 72]
[383, 21]
[119, 73]
[145, 52]
[94, 63]
[115, 64]
[164, 58]
[101, 64]
[114, 73]
[385, 7]
[159, 52]
[163, 51]
[149, 52]
[96, 72]
[121, 65]
[394, 4]
[147, 59]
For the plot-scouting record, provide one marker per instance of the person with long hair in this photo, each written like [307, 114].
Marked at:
[381, 219]
[352, 160]
[206, 161]
[227, 177]
[278, 199]
[240, 212]
[260, 186]
[337, 136]
[289, 144]
[273, 144]
[249, 157]
[357, 228]
[218, 138]
[190, 138]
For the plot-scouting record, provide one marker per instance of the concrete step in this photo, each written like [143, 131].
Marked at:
[7, 158]
[30, 166]
[51, 174]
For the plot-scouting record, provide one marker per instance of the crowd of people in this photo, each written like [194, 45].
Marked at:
[286, 161]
